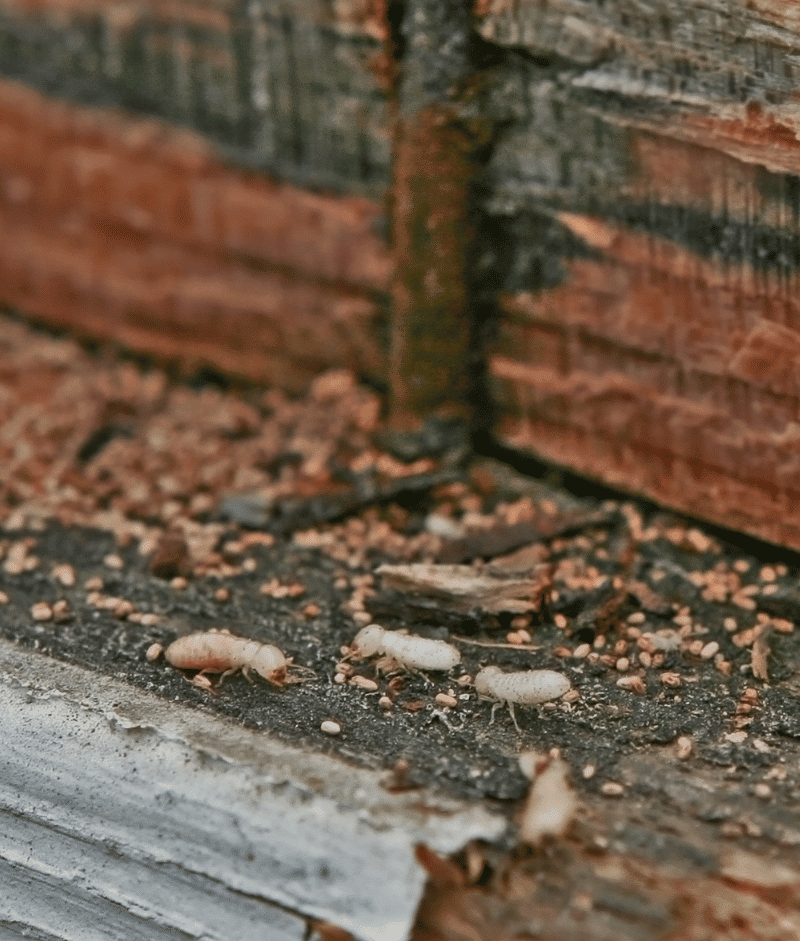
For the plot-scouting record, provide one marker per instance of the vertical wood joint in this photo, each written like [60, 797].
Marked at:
[442, 137]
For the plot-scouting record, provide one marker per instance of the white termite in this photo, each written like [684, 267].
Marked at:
[550, 805]
[413, 652]
[525, 688]
[221, 652]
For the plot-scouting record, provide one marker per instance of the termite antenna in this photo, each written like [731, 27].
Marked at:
[299, 674]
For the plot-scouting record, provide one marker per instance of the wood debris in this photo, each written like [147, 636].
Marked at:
[759, 653]
[291, 514]
[501, 539]
[465, 589]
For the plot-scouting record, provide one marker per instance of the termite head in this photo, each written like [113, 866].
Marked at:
[275, 668]
[270, 663]
[484, 682]
[368, 640]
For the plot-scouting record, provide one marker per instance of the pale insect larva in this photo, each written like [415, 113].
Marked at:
[220, 652]
[414, 653]
[525, 688]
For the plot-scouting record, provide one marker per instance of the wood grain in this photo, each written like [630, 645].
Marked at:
[125, 230]
[650, 337]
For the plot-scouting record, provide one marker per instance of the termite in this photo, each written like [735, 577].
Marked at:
[414, 653]
[221, 652]
[526, 688]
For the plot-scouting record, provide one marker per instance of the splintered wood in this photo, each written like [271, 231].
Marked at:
[660, 352]
[462, 588]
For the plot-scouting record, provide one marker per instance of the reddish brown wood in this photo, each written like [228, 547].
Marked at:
[128, 230]
[663, 353]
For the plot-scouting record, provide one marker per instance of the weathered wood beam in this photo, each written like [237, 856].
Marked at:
[125, 230]
[650, 325]
[440, 137]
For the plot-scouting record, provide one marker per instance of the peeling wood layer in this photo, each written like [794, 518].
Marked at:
[123, 229]
[647, 192]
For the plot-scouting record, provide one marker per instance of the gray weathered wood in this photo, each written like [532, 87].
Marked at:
[124, 816]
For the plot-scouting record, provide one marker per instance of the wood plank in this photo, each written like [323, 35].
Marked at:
[190, 826]
[126, 230]
[290, 88]
[649, 328]
[440, 137]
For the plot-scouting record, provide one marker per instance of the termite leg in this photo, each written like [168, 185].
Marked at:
[223, 675]
[294, 673]
[513, 716]
[201, 681]
[495, 707]
[419, 673]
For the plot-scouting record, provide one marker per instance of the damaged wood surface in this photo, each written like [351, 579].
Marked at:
[211, 834]
[291, 88]
[127, 231]
[680, 733]
[649, 324]
[199, 182]
[594, 204]
[441, 137]
[461, 588]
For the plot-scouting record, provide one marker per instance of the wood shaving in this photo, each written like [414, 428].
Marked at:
[465, 589]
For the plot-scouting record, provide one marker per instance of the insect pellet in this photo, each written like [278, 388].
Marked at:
[365, 683]
[41, 611]
[633, 683]
[154, 651]
[709, 650]
[64, 574]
